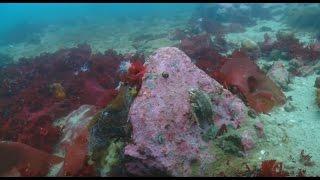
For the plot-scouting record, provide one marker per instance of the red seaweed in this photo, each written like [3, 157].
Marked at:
[237, 73]
[22, 160]
[288, 44]
[133, 75]
[35, 92]
[272, 168]
[243, 77]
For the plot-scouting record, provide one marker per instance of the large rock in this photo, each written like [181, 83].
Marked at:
[165, 135]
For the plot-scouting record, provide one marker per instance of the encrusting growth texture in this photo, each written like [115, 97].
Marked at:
[164, 136]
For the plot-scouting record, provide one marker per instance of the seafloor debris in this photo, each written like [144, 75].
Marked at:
[305, 159]
[301, 173]
[162, 109]
[289, 107]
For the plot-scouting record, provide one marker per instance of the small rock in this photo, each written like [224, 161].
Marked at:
[289, 107]
[165, 75]
[260, 130]
[279, 74]
[249, 45]
[251, 48]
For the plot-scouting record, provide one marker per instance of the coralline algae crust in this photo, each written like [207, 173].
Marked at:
[160, 115]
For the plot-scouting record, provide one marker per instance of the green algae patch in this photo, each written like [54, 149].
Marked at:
[112, 157]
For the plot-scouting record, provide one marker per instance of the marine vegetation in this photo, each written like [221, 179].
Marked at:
[211, 105]
[244, 77]
[201, 108]
[18, 159]
[305, 159]
[272, 168]
[248, 82]
[109, 130]
[34, 92]
[303, 59]
[134, 73]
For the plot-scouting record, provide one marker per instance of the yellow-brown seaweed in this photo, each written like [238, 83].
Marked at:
[58, 91]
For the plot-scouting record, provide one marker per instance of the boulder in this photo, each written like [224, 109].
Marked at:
[166, 122]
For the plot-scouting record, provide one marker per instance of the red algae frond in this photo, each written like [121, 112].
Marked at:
[135, 73]
[27, 160]
[272, 168]
[259, 91]
[35, 92]
[237, 73]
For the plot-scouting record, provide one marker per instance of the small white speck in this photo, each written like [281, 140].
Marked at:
[262, 152]
[292, 121]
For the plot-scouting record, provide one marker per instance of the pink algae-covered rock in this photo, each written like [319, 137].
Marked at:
[163, 133]
[279, 74]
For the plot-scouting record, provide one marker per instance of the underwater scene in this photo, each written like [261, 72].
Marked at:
[159, 89]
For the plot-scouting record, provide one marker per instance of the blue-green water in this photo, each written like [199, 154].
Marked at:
[12, 14]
